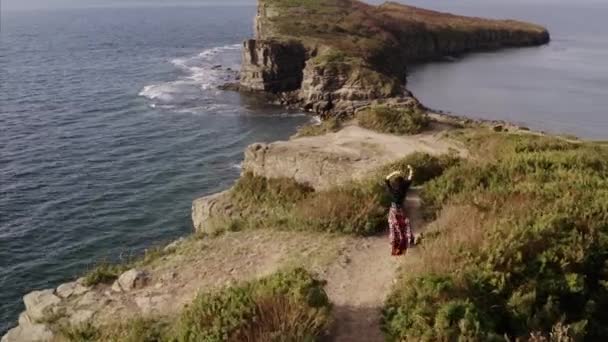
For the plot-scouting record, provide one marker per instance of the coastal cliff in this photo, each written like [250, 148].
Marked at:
[318, 195]
[335, 56]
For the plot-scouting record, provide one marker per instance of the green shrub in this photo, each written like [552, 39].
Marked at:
[133, 330]
[287, 306]
[329, 125]
[539, 259]
[392, 120]
[355, 208]
[426, 167]
[104, 273]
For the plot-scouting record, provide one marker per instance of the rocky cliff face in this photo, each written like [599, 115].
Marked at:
[334, 56]
[272, 66]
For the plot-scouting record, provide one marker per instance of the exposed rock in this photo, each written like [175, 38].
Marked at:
[147, 304]
[38, 304]
[208, 207]
[174, 245]
[81, 316]
[29, 333]
[68, 289]
[130, 280]
[272, 66]
[91, 299]
[24, 319]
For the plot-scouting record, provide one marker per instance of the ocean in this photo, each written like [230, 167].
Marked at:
[111, 122]
[559, 88]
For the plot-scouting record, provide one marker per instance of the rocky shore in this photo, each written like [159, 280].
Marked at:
[332, 58]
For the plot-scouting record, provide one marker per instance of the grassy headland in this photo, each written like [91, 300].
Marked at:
[518, 248]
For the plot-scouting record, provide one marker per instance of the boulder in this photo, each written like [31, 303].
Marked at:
[131, 279]
[71, 289]
[208, 207]
[29, 333]
[38, 304]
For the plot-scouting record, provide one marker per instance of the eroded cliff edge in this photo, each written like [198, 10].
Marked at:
[335, 56]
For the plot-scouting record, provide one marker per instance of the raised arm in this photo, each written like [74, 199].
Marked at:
[387, 180]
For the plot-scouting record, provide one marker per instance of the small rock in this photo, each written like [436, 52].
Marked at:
[498, 128]
[173, 245]
[70, 289]
[24, 319]
[38, 303]
[29, 333]
[116, 287]
[217, 66]
[132, 279]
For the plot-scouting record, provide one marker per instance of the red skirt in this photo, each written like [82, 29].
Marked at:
[400, 230]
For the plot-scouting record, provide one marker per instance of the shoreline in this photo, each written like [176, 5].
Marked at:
[37, 302]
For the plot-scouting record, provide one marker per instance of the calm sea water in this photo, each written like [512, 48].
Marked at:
[110, 122]
[561, 87]
[110, 125]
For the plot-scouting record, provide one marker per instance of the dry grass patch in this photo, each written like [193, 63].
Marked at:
[392, 120]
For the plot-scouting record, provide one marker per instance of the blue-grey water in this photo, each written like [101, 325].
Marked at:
[111, 123]
[560, 88]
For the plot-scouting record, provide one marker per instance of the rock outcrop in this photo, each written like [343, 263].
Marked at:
[322, 162]
[272, 66]
[334, 56]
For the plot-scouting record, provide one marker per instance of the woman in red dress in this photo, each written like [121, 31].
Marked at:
[400, 230]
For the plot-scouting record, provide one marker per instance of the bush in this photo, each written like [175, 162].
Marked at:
[288, 306]
[328, 125]
[426, 167]
[393, 120]
[282, 203]
[104, 273]
[526, 249]
[134, 330]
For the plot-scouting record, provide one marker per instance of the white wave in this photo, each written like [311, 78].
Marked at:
[202, 72]
[237, 166]
[315, 120]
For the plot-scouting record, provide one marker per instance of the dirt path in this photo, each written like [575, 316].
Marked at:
[360, 280]
[359, 274]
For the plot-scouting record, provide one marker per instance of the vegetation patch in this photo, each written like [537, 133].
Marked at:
[518, 250]
[329, 125]
[392, 120]
[286, 306]
[107, 273]
[283, 203]
[426, 166]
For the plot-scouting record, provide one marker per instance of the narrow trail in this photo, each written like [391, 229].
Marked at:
[358, 283]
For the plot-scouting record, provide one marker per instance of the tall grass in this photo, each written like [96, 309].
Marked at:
[518, 248]
[392, 120]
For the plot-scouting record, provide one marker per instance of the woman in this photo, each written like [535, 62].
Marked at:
[400, 231]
